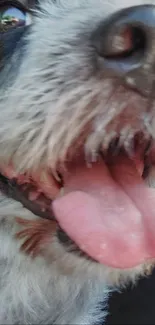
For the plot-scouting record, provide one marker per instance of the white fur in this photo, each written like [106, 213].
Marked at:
[45, 103]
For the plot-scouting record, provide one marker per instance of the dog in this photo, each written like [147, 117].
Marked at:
[77, 135]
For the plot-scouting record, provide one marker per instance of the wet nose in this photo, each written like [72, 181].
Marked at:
[125, 47]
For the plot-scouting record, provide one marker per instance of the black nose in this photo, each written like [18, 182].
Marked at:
[125, 46]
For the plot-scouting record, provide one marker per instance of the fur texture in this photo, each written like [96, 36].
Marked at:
[49, 94]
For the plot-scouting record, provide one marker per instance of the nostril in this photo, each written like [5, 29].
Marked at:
[121, 47]
[126, 42]
[127, 34]
[124, 47]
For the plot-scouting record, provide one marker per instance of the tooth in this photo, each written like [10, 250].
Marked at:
[56, 176]
[128, 145]
[124, 135]
[150, 180]
[91, 158]
[61, 192]
[44, 177]
[94, 156]
[88, 159]
[92, 146]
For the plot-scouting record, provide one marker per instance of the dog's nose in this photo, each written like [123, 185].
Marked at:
[125, 47]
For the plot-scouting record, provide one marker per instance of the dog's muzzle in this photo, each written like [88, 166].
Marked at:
[101, 208]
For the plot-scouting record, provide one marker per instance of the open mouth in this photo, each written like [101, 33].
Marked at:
[106, 208]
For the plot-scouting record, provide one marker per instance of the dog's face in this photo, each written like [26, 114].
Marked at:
[77, 126]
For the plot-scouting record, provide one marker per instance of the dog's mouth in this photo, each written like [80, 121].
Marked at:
[106, 208]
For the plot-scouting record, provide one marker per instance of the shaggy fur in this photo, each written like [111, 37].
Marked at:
[49, 94]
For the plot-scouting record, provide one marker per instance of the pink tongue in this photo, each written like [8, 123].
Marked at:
[109, 213]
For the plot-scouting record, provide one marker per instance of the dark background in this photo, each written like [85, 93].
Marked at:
[135, 305]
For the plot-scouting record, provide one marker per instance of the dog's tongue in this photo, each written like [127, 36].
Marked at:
[109, 212]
